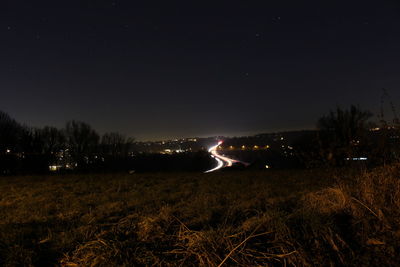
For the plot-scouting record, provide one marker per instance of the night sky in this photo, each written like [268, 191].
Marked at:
[169, 69]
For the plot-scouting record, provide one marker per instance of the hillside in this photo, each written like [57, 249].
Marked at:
[280, 218]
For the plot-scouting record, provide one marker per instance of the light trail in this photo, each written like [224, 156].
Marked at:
[222, 160]
[219, 166]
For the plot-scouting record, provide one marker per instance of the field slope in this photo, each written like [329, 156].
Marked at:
[280, 218]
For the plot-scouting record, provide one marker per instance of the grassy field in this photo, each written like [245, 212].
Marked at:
[279, 218]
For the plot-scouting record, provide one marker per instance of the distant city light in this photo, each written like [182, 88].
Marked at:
[267, 166]
[54, 168]
[358, 159]
[8, 151]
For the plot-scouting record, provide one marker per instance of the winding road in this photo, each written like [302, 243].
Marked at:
[222, 160]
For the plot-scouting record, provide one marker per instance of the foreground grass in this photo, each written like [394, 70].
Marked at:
[301, 218]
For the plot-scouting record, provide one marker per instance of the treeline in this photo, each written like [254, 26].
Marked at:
[342, 137]
[345, 136]
[77, 146]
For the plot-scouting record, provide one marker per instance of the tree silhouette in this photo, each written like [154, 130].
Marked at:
[344, 133]
[113, 144]
[10, 133]
[53, 140]
[82, 141]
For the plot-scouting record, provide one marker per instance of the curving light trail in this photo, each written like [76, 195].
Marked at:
[219, 166]
[222, 160]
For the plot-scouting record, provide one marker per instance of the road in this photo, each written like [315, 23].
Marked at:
[222, 160]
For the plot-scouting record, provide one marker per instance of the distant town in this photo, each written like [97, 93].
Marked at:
[340, 138]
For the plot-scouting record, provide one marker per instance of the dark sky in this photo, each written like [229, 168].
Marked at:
[167, 69]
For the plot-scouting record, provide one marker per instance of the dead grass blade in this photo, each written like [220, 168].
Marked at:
[365, 206]
[242, 243]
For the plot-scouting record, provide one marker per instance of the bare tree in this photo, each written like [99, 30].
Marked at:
[343, 133]
[10, 133]
[53, 139]
[116, 144]
[82, 140]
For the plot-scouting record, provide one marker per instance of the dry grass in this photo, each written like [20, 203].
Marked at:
[284, 218]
